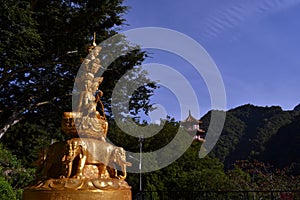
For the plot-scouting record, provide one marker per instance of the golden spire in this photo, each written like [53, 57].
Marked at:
[94, 40]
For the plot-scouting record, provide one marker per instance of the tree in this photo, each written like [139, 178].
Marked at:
[6, 192]
[20, 45]
[29, 139]
[268, 177]
[41, 44]
[13, 176]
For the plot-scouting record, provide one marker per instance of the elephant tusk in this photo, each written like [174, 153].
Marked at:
[123, 161]
[128, 164]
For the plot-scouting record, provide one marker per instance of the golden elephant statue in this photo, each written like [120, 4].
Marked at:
[87, 151]
[50, 163]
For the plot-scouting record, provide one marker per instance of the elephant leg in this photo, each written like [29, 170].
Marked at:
[44, 172]
[102, 171]
[112, 172]
[48, 165]
[67, 170]
[81, 163]
[66, 166]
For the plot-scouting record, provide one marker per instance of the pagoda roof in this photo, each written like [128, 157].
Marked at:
[191, 119]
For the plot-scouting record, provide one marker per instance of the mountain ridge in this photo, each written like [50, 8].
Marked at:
[250, 133]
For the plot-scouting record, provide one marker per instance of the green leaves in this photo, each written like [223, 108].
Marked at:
[37, 70]
[6, 192]
[13, 175]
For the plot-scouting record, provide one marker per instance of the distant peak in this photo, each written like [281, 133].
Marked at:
[297, 108]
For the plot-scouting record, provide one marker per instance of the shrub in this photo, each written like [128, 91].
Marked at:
[6, 191]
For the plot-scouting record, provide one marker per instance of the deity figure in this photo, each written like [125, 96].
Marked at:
[84, 166]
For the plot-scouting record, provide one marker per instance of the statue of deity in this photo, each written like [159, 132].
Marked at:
[83, 167]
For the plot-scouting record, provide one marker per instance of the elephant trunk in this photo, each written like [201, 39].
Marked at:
[123, 177]
[123, 165]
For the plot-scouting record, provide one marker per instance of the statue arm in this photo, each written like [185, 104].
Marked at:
[80, 102]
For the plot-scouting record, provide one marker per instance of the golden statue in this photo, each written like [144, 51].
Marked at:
[83, 167]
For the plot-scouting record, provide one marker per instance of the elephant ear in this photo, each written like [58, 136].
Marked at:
[114, 154]
[122, 157]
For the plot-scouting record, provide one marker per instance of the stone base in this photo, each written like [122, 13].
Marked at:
[30, 194]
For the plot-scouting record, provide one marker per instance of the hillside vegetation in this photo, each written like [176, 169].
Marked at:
[267, 134]
[258, 149]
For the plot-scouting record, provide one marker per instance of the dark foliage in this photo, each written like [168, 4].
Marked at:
[42, 43]
[265, 133]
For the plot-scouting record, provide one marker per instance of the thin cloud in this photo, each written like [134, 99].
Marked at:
[238, 14]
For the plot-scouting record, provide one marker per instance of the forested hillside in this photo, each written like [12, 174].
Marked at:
[268, 134]
[258, 148]
[283, 148]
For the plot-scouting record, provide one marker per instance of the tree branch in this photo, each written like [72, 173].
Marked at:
[7, 76]
[16, 118]
[8, 125]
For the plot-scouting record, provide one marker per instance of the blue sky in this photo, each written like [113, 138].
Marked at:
[255, 45]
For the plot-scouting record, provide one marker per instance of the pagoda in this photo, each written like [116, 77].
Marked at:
[192, 126]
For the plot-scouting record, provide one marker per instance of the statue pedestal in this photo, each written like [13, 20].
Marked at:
[30, 194]
[79, 189]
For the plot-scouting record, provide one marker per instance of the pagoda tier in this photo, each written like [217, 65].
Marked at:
[192, 125]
